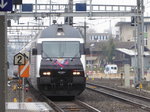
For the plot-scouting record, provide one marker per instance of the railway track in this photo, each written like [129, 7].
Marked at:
[134, 99]
[70, 106]
[65, 106]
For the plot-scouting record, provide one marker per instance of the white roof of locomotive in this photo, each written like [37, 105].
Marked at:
[52, 32]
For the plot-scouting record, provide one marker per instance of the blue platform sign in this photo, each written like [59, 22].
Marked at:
[80, 6]
[5, 5]
[27, 7]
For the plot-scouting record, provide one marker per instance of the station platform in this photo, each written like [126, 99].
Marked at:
[28, 107]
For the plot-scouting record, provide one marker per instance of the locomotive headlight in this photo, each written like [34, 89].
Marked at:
[46, 73]
[76, 73]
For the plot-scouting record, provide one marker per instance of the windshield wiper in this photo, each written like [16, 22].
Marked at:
[47, 57]
[74, 56]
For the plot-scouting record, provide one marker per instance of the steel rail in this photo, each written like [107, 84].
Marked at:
[121, 95]
[53, 105]
[90, 108]
[76, 105]
[122, 92]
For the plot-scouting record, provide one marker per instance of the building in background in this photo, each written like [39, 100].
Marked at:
[97, 37]
[127, 33]
[124, 43]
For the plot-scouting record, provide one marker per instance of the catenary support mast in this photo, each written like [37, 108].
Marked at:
[140, 40]
[70, 10]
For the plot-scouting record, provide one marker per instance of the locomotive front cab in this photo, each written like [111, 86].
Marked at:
[61, 68]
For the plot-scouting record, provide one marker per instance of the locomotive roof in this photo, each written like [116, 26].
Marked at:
[60, 31]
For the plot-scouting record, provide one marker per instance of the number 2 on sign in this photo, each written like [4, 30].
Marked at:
[19, 59]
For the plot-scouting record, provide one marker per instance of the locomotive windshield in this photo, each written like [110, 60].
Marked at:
[61, 49]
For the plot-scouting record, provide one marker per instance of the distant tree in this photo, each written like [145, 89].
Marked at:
[108, 51]
[104, 54]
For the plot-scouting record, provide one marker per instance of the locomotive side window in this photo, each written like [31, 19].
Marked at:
[34, 51]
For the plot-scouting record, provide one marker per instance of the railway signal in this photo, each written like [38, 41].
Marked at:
[133, 21]
[23, 67]
[22, 60]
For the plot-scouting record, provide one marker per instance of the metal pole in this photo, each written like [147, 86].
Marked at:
[110, 29]
[19, 89]
[70, 9]
[85, 30]
[35, 9]
[90, 8]
[70, 5]
[50, 12]
[3, 58]
[135, 44]
[140, 38]
[91, 61]
[23, 89]
[36, 6]
[91, 52]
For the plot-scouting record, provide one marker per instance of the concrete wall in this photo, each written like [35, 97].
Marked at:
[126, 33]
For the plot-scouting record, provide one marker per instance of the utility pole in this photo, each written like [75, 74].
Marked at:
[140, 41]
[85, 30]
[36, 6]
[36, 9]
[70, 9]
[70, 5]
[3, 67]
[90, 8]
[110, 29]
[50, 3]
